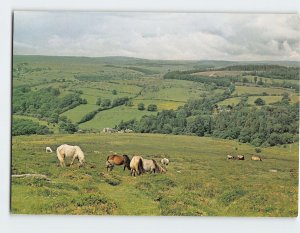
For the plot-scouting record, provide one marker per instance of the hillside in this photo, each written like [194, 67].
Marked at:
[79, 86]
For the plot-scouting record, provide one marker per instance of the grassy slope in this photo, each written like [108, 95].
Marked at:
[199, 181]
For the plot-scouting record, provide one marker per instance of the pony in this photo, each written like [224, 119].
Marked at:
[113, 160]
[240, 157]
[136, 165]
[74, 152]
[165, 161]
[48, 149]
[140, 165]
[256, 158]
[230, 157]
[150, 165]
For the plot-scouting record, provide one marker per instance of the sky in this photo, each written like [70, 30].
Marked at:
[167, 36]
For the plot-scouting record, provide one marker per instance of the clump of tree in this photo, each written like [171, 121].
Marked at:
[259, 102]
[26, 127]
[66, 126]
[141, 106]
[152, 108]
[266, 126]
[98, 101]
[105, 103]
[44, 104]
[119, 101]
[268, 71]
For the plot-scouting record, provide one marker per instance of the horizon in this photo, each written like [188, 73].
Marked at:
[215, 60]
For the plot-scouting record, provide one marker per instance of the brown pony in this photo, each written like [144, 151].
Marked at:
[113, 160]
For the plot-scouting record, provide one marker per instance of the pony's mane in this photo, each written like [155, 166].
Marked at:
[126, 158]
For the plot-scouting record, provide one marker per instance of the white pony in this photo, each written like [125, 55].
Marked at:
[73, 152]
[48, 149]
[165, 161]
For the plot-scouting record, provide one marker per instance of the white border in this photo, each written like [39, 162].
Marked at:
[74, 224]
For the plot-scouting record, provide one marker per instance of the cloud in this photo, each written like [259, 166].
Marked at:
[189, 36]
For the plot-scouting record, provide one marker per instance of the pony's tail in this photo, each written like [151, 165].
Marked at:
[141, 166]
[156, 165]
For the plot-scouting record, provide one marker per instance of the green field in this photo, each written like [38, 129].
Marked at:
[199, 180]
[239, 90]
[251, 99]
[77, 113]
[111, 117]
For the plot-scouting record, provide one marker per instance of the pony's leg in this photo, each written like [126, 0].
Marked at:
[62, 163]
[74, 157]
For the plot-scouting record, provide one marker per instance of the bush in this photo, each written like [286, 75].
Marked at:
[152, 107]
[98, 102]
[25, 127]
[141, 106]
[106, 103]
[257, 150]
[259, 102]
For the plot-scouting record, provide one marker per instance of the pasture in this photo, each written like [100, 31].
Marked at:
[199, 181]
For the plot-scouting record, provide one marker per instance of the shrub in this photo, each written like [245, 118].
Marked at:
[259, 102]
[141, 106]
[152, 107]
[257, 150]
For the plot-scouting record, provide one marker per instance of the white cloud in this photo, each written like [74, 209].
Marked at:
[159, 35]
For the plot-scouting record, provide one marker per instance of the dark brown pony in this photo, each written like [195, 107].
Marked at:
[113, 160]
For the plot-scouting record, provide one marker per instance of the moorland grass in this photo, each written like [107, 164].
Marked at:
[199, 180]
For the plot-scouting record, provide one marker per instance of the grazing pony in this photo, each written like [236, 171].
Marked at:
[48, 149]
[113, 160]
[140, 165]
[256, 158]
[240, 157]
[73, 152]
[165, 161]
[230, 157]
[136, 165]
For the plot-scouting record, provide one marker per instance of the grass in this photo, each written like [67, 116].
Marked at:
[112, 117]
[259, 90]
[76, 114]
[199, 180]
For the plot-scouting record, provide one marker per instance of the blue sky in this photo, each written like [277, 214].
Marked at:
[172, 36]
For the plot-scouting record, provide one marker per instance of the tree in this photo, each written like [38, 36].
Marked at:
[259, 102]
[105, 103]
[129, 103]
[98, 102]
[260, 82]
[152, 107]
[114, 92]
[141, 106]
[255, 79]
